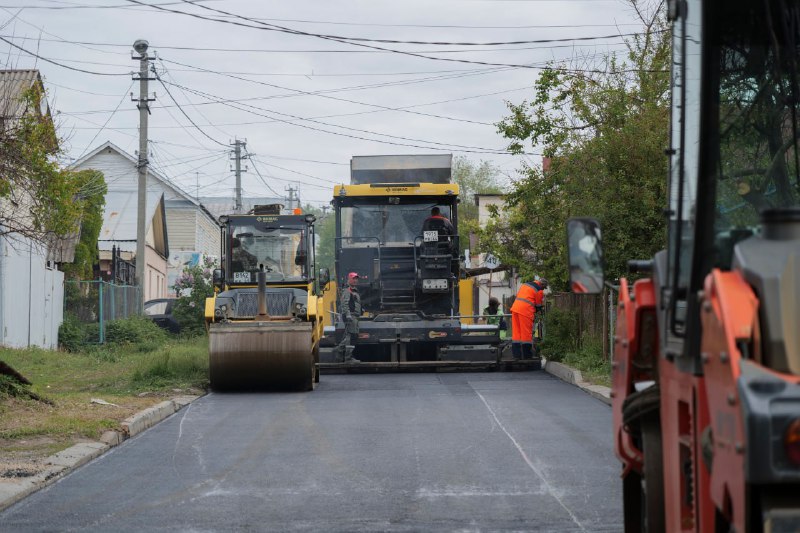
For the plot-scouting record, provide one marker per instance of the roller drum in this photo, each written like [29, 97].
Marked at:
[261, 355]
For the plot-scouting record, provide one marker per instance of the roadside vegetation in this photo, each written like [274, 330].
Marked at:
[78, 393]
[581, 351]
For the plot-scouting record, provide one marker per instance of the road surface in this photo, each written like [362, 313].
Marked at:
[402, 452]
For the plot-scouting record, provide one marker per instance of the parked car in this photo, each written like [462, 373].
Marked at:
[160, 312]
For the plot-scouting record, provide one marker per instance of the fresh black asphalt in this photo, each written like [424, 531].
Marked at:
[402, 452]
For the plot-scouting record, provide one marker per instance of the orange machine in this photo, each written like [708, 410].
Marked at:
[706, 371]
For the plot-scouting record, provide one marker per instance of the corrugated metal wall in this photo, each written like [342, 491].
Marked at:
[31, 297]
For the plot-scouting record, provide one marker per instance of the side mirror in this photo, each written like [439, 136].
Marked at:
[324, 277]
[218, 278]
[585, 249]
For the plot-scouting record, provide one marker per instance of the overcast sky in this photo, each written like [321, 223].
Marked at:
[365, 101]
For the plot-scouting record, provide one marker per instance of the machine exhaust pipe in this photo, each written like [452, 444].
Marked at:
[261, 276]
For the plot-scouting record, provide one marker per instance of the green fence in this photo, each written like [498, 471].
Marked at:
[99, 302]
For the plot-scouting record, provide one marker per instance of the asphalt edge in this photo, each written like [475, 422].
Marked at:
[62, 463]
[574, 377]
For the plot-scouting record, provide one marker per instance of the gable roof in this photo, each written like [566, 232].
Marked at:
[13, 84]
[183, 195]
[120, 220]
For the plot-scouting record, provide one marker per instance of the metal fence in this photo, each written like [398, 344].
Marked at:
[99, 302]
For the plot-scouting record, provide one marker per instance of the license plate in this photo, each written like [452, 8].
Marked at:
[431, 236]
[434, 284]
[242, 277]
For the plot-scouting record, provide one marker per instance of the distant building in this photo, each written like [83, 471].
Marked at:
[501, 284]
[191, 230]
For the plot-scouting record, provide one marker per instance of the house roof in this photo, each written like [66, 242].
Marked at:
[13, 83]
[150, 172]
[120, 220]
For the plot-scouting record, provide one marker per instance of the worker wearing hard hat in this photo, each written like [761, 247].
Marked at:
[350, 309]
[529, 301]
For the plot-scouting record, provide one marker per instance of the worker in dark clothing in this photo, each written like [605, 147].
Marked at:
[438, 222]
[527, 305]
[350, 309]
[493, 315]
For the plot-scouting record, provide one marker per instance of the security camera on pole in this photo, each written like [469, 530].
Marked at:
[140, 47]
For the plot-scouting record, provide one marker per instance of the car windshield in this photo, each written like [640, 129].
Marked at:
[757, 156]
[391, 224]
[281, 252]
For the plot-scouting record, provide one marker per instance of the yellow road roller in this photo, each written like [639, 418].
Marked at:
[265, 317]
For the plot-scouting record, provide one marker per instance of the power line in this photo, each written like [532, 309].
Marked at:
[273, 27]
[89, 145]
[308, 93]
[37, 56]
[460, 148]
[155, 73]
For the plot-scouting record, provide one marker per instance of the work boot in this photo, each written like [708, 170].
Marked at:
[527, 351]
[348, 355]
[516, 350]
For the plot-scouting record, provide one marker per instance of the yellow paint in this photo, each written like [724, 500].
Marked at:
[465, 300]
[209, 310]
[329, 304]
[398, 189]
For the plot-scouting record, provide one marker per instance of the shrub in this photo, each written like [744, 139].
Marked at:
[71, 333]
[134, 330]
[194, 286]
[562, 334]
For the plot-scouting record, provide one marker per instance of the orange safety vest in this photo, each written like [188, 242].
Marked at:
[528, 297]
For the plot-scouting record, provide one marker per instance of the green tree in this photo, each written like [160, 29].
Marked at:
[38, 200]
[472, 178]
[604, 130]
[93, 193]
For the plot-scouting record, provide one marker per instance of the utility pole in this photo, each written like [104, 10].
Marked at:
[237, 157]
[140, 47]
[292, 197]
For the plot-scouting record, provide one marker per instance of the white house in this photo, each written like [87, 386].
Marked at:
[31, 287]
[191, 230]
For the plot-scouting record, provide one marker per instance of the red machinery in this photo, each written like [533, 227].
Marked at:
[706, 371]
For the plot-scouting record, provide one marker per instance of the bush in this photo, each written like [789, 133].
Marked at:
[75, 336]
[562, 334]
[134, 330]
[194, 286]
[71, 333]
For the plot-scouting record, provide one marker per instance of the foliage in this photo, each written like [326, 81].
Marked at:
[473, 178]
[183, 364]
[194, 286]
[604, 131]
[71, 333]
[93, 194]
[138, 332]
[562, 335]
[38, 200]
[325, 230]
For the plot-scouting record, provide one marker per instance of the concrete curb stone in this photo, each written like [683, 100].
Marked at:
[65, 461]
[574, 377]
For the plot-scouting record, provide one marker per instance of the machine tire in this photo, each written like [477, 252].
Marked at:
[652, 484]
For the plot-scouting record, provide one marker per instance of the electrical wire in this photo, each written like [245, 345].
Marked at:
[124, 95]
[37, 56]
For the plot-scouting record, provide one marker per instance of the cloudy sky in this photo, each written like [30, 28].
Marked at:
[308, 83]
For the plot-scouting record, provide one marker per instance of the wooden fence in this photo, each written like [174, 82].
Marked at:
[596, 314]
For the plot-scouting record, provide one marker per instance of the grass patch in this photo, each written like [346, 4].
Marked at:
[134, 372]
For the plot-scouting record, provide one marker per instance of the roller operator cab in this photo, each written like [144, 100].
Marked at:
[264, 318]
[706, 371]
[407, 260]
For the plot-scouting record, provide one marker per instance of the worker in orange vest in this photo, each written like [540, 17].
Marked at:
[529, 301]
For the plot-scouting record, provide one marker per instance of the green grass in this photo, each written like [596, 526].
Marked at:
[134, 373]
